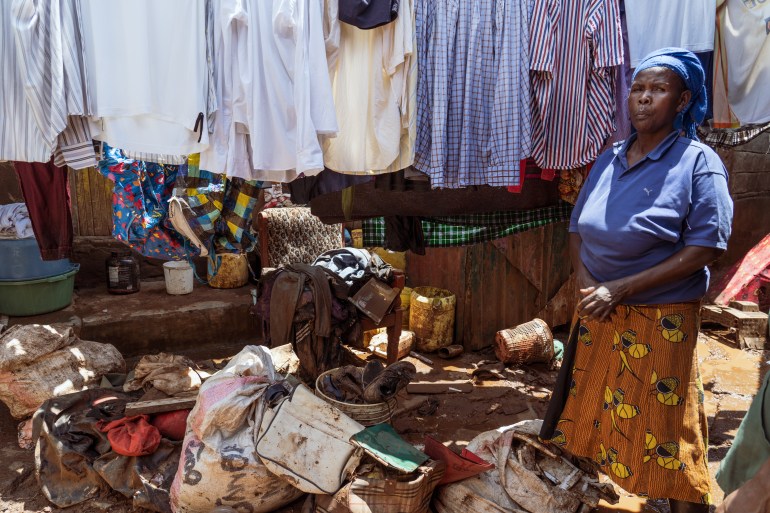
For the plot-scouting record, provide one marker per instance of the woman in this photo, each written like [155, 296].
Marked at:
[653, 213]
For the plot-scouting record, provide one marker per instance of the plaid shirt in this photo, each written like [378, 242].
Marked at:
[473, 103]
[727, 138]
[474, 228]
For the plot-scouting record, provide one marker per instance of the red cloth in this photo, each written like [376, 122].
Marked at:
[131, 436]
[47, 195]
[458, 466]
[171, 424]
[748, 279]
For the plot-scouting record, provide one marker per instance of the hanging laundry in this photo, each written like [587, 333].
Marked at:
[285, 114]
[46, 192]
[576, 47]
[228, 148]
[742, 63]
[654, 24]
[218, 209]
[374, 80]
[727, 138]
[52, 67]
[623, 128]
[304, 189]
[41, 65]
[140, 205]
[368, 14]
[473, 113]
[148, 74]
[465, 230]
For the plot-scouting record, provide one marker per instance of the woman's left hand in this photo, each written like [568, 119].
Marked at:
[599, 302]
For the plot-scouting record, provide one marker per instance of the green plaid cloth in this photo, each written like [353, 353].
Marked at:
[442, 232]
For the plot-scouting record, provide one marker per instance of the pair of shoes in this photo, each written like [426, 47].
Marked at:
[389, 381]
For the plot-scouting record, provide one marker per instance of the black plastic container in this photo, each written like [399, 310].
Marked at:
[122, 273]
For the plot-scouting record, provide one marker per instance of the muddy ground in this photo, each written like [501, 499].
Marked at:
[731, 378]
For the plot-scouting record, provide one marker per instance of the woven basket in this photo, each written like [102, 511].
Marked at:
[530, 342]
[365, 414]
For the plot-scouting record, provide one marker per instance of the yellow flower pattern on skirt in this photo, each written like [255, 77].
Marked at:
[635, 401]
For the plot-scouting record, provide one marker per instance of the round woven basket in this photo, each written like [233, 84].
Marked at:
[365, 414]
[530, 342]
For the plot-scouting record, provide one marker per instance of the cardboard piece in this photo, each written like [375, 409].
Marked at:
[374, 299]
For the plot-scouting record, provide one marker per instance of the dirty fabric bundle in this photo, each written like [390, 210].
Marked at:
[529, 477]
[74, 459]
[372, 384]
[15, 222]
[172, 374]
[351, 268]
[38, 362]
[296, 305]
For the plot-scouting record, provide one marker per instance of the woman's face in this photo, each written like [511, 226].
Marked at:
[657, 96]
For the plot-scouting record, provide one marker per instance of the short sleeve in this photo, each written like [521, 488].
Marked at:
[710, 217]
[542, 34]
[604, 28]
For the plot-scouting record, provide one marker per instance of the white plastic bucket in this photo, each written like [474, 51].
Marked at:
[179, 277]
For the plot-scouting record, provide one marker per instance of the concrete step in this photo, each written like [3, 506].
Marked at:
[207, 322]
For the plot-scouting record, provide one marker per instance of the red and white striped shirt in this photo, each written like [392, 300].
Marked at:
[574, 47]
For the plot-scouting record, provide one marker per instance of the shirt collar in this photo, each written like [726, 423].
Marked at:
[655, 154]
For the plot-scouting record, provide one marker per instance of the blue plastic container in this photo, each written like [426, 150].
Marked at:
[20, 260]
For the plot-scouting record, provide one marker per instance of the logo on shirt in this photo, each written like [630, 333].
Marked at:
[648, 191]
[753, 3]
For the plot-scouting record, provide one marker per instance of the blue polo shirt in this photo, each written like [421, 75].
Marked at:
[631, 219]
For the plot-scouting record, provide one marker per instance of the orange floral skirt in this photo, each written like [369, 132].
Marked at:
[635, 401]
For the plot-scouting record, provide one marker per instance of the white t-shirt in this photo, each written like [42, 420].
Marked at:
[654, 24]
[369, 82]
[745, 32]
[281, 89]
[148, 74]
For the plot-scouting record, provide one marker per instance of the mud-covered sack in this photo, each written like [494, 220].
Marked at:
[22, 344]
[218, 465]
[70, 369]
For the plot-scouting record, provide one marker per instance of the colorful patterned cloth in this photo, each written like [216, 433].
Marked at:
[220, 208]
[140, 205]
[471, 229]
[635, 401]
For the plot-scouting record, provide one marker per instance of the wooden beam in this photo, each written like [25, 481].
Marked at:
[160, 405]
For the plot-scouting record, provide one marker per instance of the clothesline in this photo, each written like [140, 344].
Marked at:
[269, 90]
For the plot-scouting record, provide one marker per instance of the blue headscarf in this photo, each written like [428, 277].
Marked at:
[685, 64]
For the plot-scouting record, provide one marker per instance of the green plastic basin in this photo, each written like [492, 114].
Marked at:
[33, 297]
